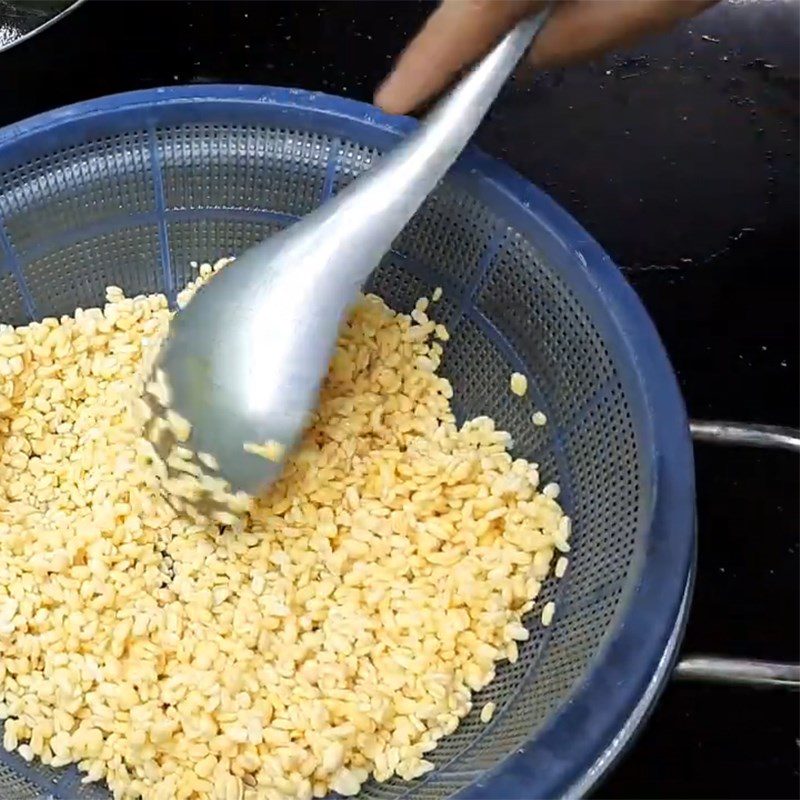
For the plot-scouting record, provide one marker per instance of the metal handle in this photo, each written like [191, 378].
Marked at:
[750, 435]
[372, 211]
[740, 670]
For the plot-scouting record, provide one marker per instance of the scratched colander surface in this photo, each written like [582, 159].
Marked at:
[127, 190]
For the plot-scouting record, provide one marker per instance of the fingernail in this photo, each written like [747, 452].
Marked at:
[383, 96]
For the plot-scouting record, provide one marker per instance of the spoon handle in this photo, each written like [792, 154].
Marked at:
[371, 211]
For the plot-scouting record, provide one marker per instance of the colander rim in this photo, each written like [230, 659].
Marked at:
[561, 753]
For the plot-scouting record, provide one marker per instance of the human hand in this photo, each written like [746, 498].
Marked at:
[459, 32]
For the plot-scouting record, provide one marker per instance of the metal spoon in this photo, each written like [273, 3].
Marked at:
[244, 360]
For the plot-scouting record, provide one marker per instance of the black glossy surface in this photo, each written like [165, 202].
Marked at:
[682, 159]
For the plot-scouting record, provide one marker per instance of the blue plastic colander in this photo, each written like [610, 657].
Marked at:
[128, 189]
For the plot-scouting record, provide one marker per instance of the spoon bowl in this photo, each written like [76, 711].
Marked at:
[244, 360]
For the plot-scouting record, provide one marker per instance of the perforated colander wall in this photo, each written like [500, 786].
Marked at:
[134, 208]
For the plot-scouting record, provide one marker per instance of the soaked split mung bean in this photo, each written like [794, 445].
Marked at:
[338, 631]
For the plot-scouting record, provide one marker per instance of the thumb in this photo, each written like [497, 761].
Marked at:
[583, 29]
[457, 34]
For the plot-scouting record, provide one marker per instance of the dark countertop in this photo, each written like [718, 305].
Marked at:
[682, 159]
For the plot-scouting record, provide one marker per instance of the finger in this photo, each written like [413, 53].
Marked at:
[579, 30]
[458, 33]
